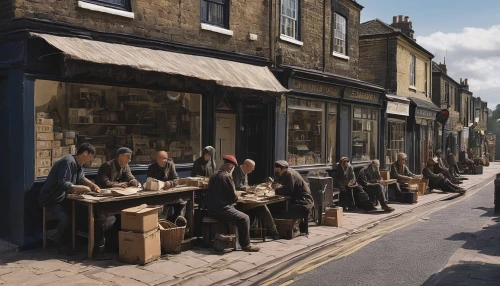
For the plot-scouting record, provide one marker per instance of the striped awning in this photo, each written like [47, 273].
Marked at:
[222, 72]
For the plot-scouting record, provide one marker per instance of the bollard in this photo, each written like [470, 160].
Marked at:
[497, 194]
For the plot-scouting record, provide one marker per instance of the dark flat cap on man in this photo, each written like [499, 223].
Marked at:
[281, 164]
[123, 150]
[230, 159]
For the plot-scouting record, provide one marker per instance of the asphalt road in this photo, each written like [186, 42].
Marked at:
[412, 254]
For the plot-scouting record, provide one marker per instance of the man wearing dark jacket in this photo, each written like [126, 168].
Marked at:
[164, 170]
[452, 162]
[369, 178]
[204, 166]
[117, 173]
[345, 180]
[400, 171]
[293, 185]
[221, 199]
[240, 174]
[438, 180]
[440, 168]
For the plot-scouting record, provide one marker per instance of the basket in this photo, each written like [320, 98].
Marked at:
[171, 236]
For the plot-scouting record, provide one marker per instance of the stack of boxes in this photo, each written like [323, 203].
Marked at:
[139, 239]
[334, 217]
[44, 139]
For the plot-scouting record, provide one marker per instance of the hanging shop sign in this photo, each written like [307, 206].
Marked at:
[362, 95]
[425, 113]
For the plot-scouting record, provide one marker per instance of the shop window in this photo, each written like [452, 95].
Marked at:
[117, 4]
[305, 132]
[332, 134]
[109, 117]
[395, 141]
[290, 18]
[364, 134]
[215, 12]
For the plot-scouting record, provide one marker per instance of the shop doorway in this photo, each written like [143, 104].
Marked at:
[423, 148]
[224, 136]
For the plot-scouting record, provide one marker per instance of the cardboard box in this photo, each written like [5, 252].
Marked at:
[41, 115]
[43, 145]
[385, 175]
[44, 154]
[64, 150]
[68, 141]
[153, 184]
[334, 217]
[44, 128]
[42, 171]
[69, 134]
[72, 149]
[45, 121]
[142, 218]
[45, 136]
[58, 136]
[56, 144]
[139, 248]
[44, 162]
[57, 152]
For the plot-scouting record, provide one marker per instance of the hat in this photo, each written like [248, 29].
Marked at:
[438, 151]
[281, 164]
[209, 150]
[230, 159]
[123, 150]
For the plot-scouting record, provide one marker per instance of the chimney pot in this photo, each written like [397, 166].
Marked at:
[400, 19]
[407, 19]
[466, 82]
[394, 19]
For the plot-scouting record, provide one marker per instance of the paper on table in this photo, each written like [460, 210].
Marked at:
[125, 191]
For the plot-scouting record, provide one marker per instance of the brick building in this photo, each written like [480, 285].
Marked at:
[390, 57]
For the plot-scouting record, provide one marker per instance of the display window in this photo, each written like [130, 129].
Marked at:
[395, 140]
[332, 133]
[364, 134]
[110, 117]
[305, 132]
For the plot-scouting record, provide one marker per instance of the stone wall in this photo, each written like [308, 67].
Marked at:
[377, 61]
[404, 50]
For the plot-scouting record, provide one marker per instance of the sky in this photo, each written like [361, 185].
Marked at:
[467, 33]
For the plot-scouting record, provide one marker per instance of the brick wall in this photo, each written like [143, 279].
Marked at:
[6, 11]
[377, 61]
[404, 51]
[168, 20]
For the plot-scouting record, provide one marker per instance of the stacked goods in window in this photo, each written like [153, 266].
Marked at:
[44, 137]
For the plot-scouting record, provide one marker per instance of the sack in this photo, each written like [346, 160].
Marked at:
[224, 242]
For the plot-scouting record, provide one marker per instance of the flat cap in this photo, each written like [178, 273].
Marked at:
[281, 164]
[123, 150]
[230, 159]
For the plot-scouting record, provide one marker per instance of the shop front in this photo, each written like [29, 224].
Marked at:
[397, 112]
[75, 89]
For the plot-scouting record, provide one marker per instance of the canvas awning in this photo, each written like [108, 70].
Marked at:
[222, 72]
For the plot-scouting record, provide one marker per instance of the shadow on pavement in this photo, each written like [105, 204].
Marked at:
[473, 273]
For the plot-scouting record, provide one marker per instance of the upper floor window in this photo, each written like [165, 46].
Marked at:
[117, 4]
[339, 34]
[413, 61]
[215, 12]
[447, 92]
[290, 18]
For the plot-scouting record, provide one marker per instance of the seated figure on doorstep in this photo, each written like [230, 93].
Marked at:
[117, 173]
[439, 168]
[290, 183]
[345, 180]
[220, 203]
[464, 160]
[369, 178]
[67, 177]
[452, 163]
[438, 180]
[164, 170]
[400, 171]
[204, 166]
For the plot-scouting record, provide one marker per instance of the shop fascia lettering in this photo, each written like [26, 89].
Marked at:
[316, 87]
[425, 113]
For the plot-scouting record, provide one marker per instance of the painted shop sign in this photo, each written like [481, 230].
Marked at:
[398, 108]
[362, 95]
[316, 87]
[425, 113]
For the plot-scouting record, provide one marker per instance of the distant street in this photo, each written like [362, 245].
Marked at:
[410, 255]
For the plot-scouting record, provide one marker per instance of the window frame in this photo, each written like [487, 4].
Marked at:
[367, 114]
[225, 13]
[297, 19]
[107, 3]
[335, 38]
[413, 65]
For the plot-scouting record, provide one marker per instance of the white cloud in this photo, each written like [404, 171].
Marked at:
[474, 54]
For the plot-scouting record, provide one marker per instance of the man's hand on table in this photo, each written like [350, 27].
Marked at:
[121, 185]
[167, 186]
[80, 189]
[95, 188]
[134, 183]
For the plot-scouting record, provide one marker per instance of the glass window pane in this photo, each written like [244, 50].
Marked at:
[364, 135]
[332, 134]
[109, 117]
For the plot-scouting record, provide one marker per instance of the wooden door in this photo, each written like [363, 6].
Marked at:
[224, 137]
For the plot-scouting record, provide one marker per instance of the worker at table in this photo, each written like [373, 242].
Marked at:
[67, 177]
[164, 170]
[204, 166]
[117, 173]
[400, 171]
[221, 199]
[291, 183]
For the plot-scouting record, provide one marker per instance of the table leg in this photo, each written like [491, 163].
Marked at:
[190, 214]
[73, 227]
[91, 230]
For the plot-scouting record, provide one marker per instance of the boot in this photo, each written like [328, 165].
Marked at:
[250, 248]
[388, 209]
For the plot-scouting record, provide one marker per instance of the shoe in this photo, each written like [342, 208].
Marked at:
[370, 209]
[66, 250]
[251, 248]
[388, 209]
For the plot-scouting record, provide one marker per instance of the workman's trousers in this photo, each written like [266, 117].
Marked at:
[264, 214]
[239, 219]
[377, 191]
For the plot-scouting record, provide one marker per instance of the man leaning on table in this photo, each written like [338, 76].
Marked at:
[164, 170]
[67, 177]
[117, 173]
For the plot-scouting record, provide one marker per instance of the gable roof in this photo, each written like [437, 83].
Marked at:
[376, 27]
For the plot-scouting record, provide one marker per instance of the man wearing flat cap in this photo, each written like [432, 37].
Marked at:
[117, 173]
[221, 199]
[400, 171]
[439, 180]
[345, 180]
[291, 183]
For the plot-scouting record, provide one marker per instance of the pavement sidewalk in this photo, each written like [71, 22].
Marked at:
[199, 266]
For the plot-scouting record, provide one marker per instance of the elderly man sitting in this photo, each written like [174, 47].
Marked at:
[400, 171]
[369, 178]
[345, 180]
[438, 180]
[440, 168]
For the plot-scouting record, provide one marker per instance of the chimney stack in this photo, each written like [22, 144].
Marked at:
[394, 19]
[400, 19]
[403, 24]
[466, 82]
[407, 19]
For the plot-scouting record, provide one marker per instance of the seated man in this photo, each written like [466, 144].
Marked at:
[67, 177]
[290, 183]
[452, 162]
[464, 161]
[222, 196]
[345, 180]
[204, 166]
[400, 171]
[438, 180]
[369, 178]
[439, 168]
[164, 170]
[240, 179]
[117, 173]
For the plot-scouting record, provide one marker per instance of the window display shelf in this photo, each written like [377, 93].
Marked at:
[112, 124]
